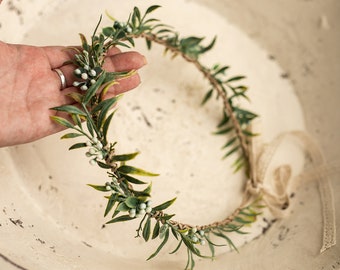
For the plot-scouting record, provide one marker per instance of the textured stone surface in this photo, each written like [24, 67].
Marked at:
[43, 226]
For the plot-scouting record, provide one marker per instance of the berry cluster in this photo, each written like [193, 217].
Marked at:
[122, 26]
[87, 75]
[196, 236]
[96, 151]
[141, 209]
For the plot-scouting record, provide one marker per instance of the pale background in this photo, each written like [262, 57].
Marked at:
[302, 38]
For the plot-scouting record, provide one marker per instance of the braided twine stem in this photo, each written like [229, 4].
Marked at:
[228, 110]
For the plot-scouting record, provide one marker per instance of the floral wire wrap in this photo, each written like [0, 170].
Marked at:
[124, 201]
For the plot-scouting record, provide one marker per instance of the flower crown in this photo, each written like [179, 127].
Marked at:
[125, 201]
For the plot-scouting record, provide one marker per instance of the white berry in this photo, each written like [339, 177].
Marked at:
[141, 212]
[84, 76]
[142, 206]
[132, 213]
[93, 72]
[93, 162]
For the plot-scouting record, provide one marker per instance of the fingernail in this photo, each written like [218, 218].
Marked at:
[145, 61]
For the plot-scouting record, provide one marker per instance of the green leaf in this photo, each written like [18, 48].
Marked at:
[224, 121]
[167, 217]
[165, 30]
[164, 205]
[77, 145]
[230, 142]
[131, 40]
[244, 116]
[76, 120]
[132, 202]
[132, 180]
[76, 96]
[249, 213]
[124, 157]
[71, 135]
[107, 125]
[151, 9]
[69, 109]
[156, 229]
[221, 70]
[174, 232]
[83, 40]
[148, 189]
[232, 228]
[231, 151]
[209, 47]
[133, 20]
[148, 44]
[230, 243]
[103, 105]
[93, 89]
[133, 170]
[112, 200]
[240, 162]
[120, 219]
[122, 207]
[99, 188]
[177, 248]
[191, 247]
[103, 165]
[212, 245]
[166, 238]
[90, 127]
[108, 84]
[95, 30]
[150, 20]
[236, 78]
[163, 230]
[123, 44]
[108, 31]
[224, 131]
[190, 261]
[142, 196]
[147, 230]
[190, 42]
[137, 13]
[207, 96]
[62, 121]
[249, 133]
[243, 221]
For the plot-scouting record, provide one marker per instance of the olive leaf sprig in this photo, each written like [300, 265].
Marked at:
[124, 201]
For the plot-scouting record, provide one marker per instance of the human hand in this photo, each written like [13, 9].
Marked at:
[29, 87]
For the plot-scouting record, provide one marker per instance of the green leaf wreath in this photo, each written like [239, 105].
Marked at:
[124, 200]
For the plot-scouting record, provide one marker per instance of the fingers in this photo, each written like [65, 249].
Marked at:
[124, 61]
[115, 61]
[123, 85]
[58, 55]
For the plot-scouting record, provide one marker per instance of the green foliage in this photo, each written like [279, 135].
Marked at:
[120, 219]
[165, 240]
[164, 206]
[124, 201]
[133, 170]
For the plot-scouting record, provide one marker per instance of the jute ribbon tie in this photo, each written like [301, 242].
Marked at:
[276, 197]
[276, 188]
